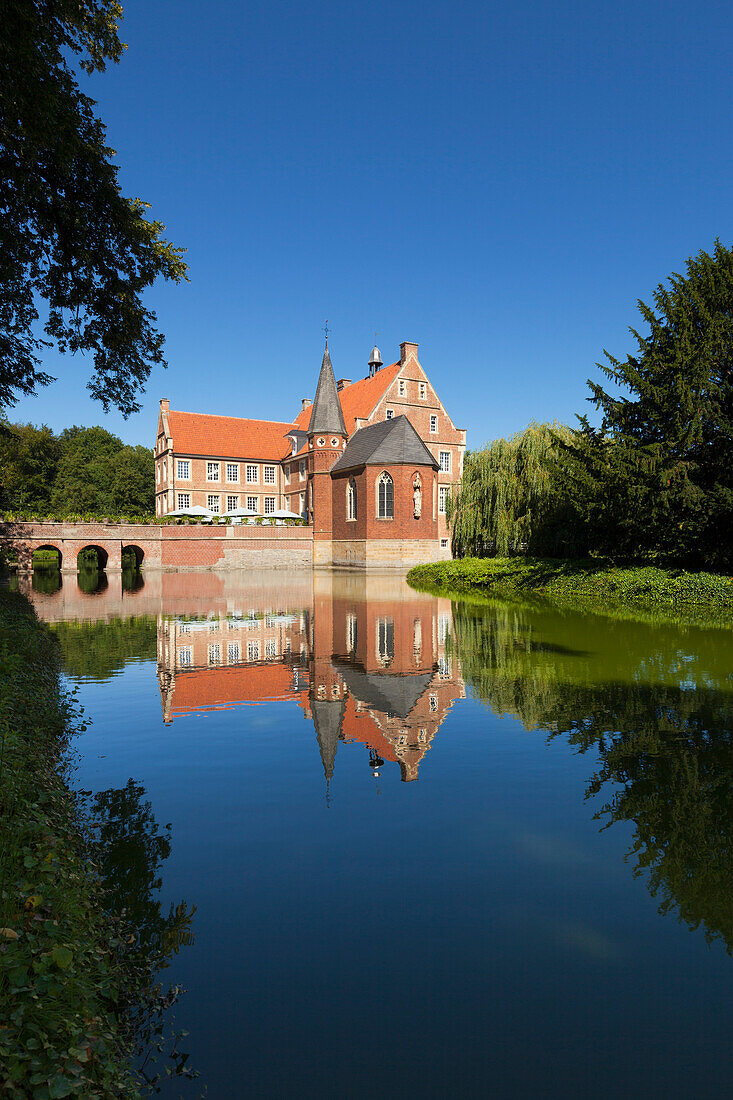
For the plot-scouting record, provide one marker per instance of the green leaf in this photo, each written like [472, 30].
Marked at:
[60, 1086]
[63, 957]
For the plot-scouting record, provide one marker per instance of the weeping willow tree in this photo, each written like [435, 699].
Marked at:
[512, 499]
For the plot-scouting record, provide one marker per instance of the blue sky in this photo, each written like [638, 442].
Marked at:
[497, 182]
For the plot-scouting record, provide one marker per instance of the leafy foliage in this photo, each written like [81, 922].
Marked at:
[510, 499]
[68, 235]
[656, 478]
[82, 470]
[80, 943]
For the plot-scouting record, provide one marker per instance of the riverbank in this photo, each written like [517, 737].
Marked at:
[587, 583]
[60, 978]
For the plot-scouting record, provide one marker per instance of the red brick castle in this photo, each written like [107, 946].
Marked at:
[369, 464]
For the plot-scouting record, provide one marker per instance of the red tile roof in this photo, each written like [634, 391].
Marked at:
[220, 688]
[357, 400]
[228, 436]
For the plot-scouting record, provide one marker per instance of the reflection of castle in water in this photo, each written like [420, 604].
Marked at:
[367, 662]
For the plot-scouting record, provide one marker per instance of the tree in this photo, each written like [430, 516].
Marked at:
[68, 236]
[656, 478]
[86, 473]
[511, 497]
[134, 481]
[29, 459]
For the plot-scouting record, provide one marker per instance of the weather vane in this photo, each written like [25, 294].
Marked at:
[325, 329]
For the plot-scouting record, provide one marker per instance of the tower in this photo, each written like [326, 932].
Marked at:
[326, 442]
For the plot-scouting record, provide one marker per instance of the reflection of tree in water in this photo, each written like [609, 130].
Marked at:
[658, 707]
[100, 649]
[130, 849]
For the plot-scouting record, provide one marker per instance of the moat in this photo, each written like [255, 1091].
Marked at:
[435, 848]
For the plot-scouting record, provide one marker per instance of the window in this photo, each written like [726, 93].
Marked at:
[401, 388]
[212, 502]
[253, 504]
[443, 491]
[351, 499]
[232, 503]
[351, 632]
[269, 505]
[183, 469]
[212, 471]
[271, 648]
[253, 474]
[390, 414]
[302, 471]
[232, 471]
[433, 702]
[444, 667]
[185, 656]
[423, 391]
[269, 475]
[385, 641]
[433, 423]
[444, 544]
[445, 461]
[287, 475]
[184, 501]
[443, 622]
[385, 497]
[233, 651]
[253, 650]
[302, 504]
[215, 654]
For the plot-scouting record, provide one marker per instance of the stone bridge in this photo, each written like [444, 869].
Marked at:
[162, 546]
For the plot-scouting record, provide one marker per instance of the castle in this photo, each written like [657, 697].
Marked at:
[369, 464]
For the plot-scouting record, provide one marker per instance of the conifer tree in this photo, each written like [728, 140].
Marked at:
[656, 478]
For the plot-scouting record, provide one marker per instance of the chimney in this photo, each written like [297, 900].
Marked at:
[343, 383]
[408, 350]
[305, 402]
[165, 405]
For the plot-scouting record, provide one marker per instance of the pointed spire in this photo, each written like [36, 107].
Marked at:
[328, 717]
[326, 415]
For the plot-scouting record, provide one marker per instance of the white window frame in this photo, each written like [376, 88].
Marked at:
[390, 414]
[302, 470]
[445, 466]
[351, 632]
[215, 653]
[270, 478]
[253, 649]
[351, 505]
[270, 503]
[184, 501]
[252, 474]
[253, 504]
[212, 471]
[401, 387]
[384, 479]
[216, 506]
[232, 498]
[232, 478]
[433, 423]
[185, 656]
[286, 474]
[233, 652]
[181, 464]
[443, 491]
[270, 648]
[423, 390]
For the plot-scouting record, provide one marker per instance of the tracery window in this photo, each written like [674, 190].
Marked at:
[351, 499]
[385, 496]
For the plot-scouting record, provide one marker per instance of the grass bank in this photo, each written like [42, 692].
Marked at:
[60, 978]
[589, 583]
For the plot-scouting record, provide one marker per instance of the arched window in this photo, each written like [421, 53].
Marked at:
[351, 499]
[385, 496]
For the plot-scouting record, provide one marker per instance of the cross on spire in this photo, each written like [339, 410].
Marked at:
[325, 330]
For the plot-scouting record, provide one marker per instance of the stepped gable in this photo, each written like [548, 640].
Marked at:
[389, 443]
[217, 436]
[358, 400]
[326, 415]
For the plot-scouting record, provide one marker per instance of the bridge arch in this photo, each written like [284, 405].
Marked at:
[38, 564]
[137, 551]
[102, 556]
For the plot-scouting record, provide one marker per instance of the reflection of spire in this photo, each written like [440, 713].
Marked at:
[328, 715]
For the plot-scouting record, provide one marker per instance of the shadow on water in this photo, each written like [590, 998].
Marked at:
[130, 849]
[656, 705]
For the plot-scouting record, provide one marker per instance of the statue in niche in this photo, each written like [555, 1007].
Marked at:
[417, 496]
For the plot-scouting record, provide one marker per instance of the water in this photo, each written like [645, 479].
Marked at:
[435, 849]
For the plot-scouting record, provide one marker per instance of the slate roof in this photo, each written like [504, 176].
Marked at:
[384, 692]
[228, 436]
[388, 443]
[328, 716]
[326, 415]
